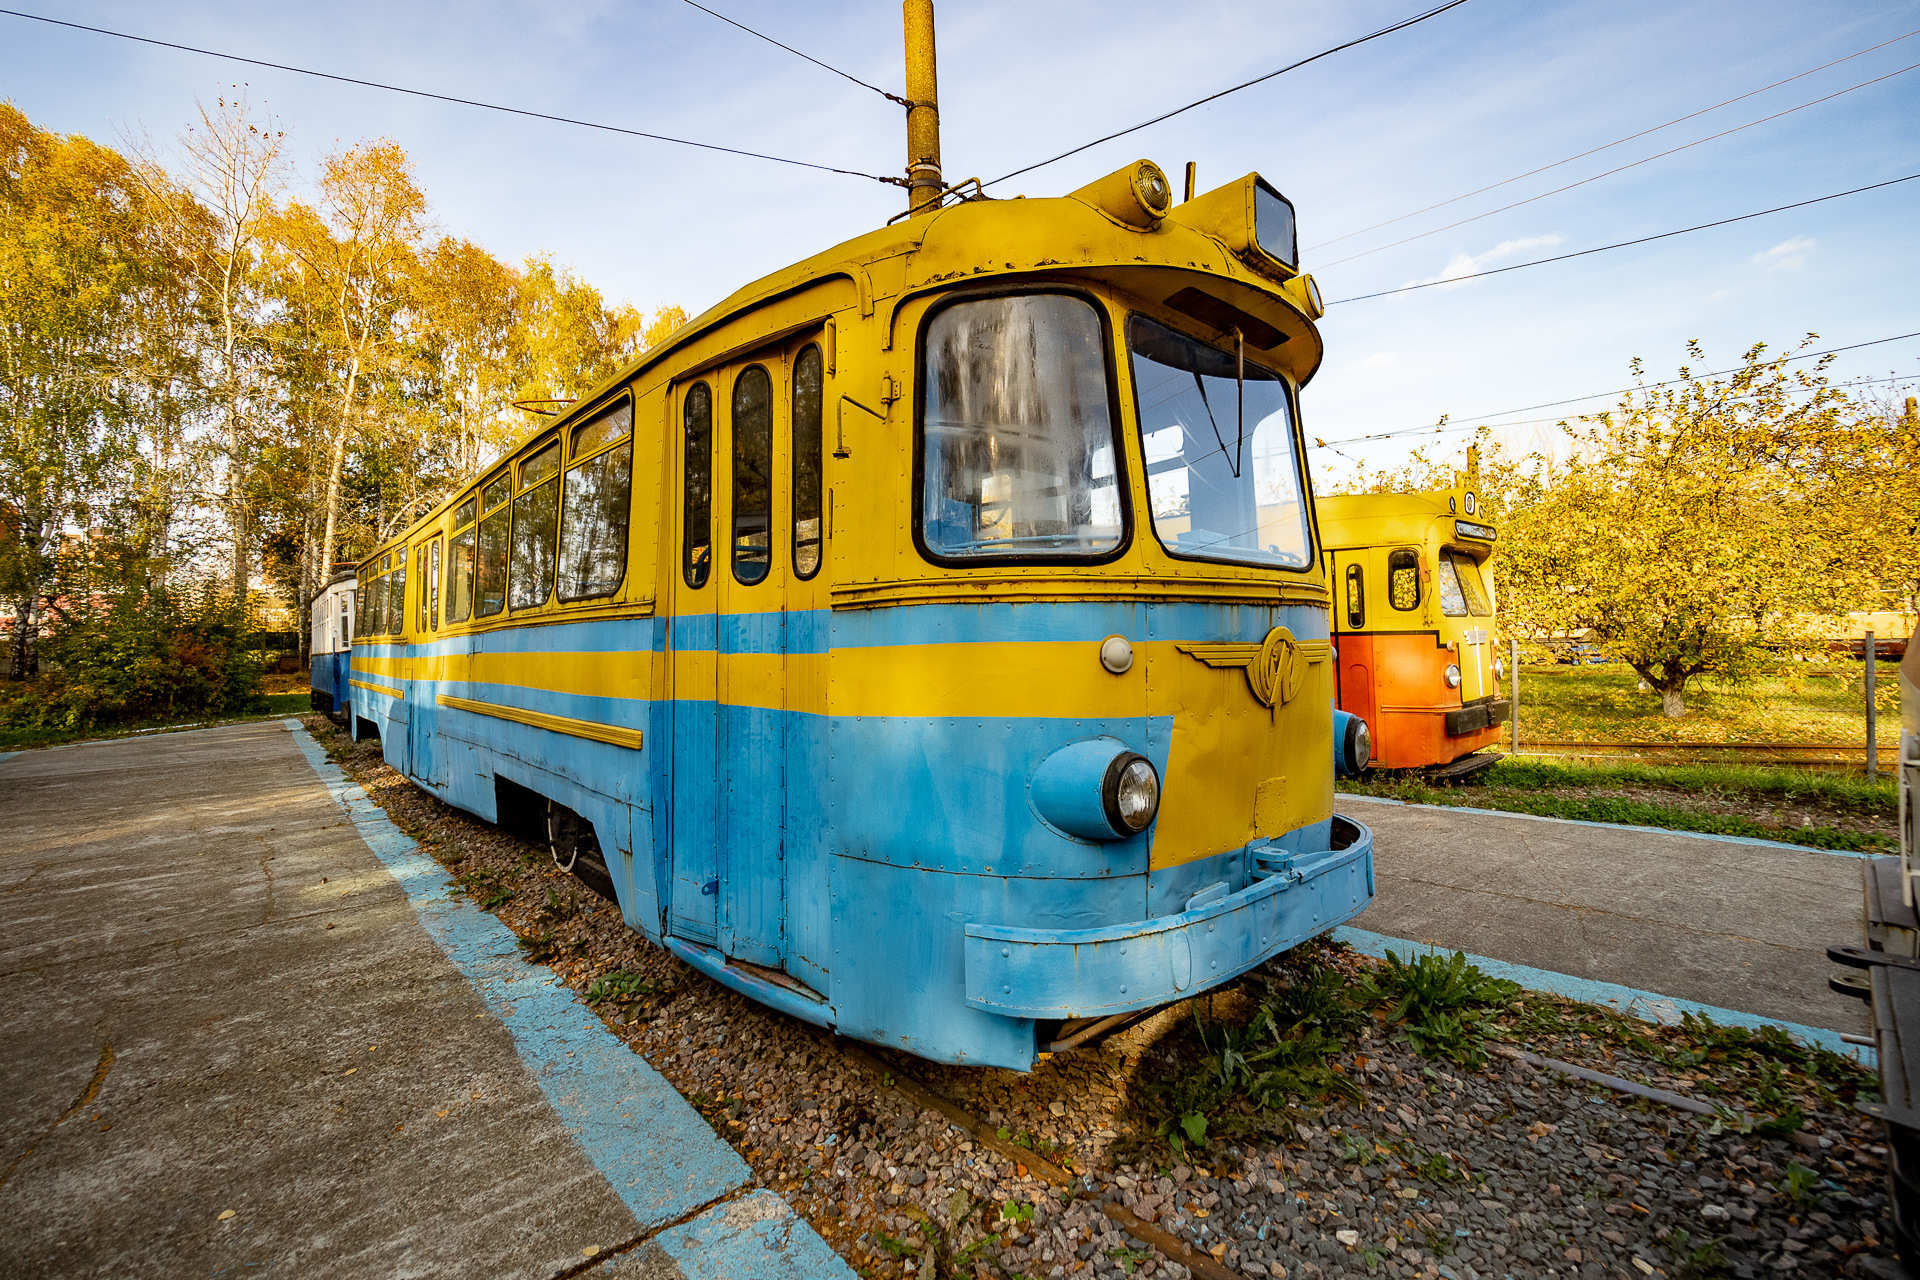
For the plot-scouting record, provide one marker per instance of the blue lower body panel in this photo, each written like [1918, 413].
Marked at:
[1080, 973]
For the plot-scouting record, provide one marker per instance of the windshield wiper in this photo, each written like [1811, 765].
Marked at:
[1240, 405]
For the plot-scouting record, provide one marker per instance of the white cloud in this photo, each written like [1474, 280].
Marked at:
[1378, 360]
[1465, 264]
[1788, 255]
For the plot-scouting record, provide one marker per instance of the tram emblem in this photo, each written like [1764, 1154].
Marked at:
[1276, 667]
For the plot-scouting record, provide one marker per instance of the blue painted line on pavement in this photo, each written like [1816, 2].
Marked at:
[1648, 1006]
[1611, 826]
[660, 1157]
[7, 755]
[756, 1236]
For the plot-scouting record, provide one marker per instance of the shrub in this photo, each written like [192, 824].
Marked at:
[140, 655]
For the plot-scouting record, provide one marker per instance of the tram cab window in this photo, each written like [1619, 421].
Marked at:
[460, 564]
[1403, 579]
[1020, 454]
[697, 501]
[1460, 589]
[490, 553]
[536, 515]
[346, 618]
[752, 474]
[808, 423]
[593, 518]
[1356, 599]
[1223, 475]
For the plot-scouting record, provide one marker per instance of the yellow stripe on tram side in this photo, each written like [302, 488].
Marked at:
[1016, 679]
[619, 674]
[597, 732]
[377, 688]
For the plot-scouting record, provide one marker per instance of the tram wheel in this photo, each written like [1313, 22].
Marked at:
[576, 849]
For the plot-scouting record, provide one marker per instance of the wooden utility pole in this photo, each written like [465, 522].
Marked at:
[924, 183]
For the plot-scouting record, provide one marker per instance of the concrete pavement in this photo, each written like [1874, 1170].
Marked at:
[246, 1030]
[1708, 921]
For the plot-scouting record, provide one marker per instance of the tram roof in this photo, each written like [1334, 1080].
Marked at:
[1355, 519]
[1042, 238]
[980, 240]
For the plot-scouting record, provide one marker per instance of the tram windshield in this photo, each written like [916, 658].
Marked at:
[1018, 431]
[1223, 478]
[1460, 589]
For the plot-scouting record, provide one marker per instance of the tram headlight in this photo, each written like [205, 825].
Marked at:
[1352, 745]
[1132, 794]
[1453, 676]
[1096, 789]
[1499, 669]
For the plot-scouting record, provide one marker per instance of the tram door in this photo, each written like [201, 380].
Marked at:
[728, 825]
[1354, 668]
[693, 892]
[423, 755]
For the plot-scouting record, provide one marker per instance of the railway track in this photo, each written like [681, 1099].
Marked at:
[1807, 755]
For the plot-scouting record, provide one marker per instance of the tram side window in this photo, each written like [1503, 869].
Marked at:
[807, 429]
[1460, 591]
[752, 474]
[1403, 579]
[397, 593]
[536, 515]
[1018, 432]
[490, 554]
[696, 519]
[1356, 599]
[426, 588]
[593, 519]
[460, 565]
[433, 585]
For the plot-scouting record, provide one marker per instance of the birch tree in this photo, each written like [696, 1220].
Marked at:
[212, 206]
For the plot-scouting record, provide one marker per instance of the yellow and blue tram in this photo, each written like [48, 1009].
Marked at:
[930, 640]
[1413, 623]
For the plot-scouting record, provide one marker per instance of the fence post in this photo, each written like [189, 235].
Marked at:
[1873, 746]
[1513, 687]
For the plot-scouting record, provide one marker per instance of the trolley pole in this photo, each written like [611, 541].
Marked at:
[1513, 687]
[923, 110]
[1873, 746]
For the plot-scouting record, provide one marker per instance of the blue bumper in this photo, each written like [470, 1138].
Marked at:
[1080, 973]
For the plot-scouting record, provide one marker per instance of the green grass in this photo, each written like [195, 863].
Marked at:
[274, 706]
[1797, 702]
[1529, 786]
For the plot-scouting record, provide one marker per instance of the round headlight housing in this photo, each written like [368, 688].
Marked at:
[1359, 745]
[1131, 793]
[1453, 676]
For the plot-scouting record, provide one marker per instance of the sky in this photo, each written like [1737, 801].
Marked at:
[1475, 96]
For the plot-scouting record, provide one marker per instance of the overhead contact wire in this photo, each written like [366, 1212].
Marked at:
[890, 97]
[1624, 244]
[445, 97]
[1494, 186]
[1462, 424]
[1394, 244]
[1214, 97]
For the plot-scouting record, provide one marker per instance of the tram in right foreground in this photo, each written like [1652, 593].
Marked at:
[1888, 976]
[1413, 624]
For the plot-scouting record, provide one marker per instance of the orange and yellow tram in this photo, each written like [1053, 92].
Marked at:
[1413, 625]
